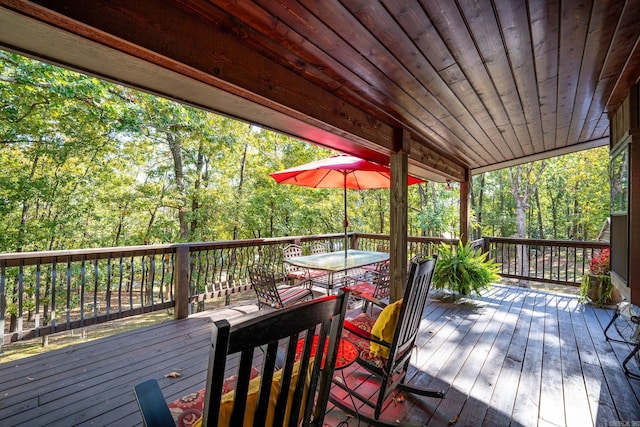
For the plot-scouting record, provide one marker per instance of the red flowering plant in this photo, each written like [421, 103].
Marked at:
[596, 286]
[600, 263]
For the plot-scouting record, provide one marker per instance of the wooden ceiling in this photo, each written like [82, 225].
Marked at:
[459, 84]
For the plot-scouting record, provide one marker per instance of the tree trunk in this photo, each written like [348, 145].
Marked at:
[480, 206]
[195, 201]
[540, 225]
[178, 169]
[522, 187]
[243, 162]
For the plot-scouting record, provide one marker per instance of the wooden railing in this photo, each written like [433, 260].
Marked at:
[42, 293]
[550, 261]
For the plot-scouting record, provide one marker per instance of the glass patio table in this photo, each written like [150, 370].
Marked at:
[336, 264]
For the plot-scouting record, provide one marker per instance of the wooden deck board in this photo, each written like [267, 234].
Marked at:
[513, 356]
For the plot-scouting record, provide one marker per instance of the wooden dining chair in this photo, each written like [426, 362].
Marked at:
[270, 293]
[281, 365]
[385, 347]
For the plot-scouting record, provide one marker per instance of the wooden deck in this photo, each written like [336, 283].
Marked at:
[511, 357]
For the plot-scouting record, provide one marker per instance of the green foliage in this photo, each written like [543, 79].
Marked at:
[86, 163]
[463, 269]
[572, 201]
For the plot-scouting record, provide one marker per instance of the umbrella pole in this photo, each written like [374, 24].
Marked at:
[346, 221]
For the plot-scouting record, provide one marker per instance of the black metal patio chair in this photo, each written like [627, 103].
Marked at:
[299, 275]
[269, 292]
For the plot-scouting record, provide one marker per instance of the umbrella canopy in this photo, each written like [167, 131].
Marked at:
[341, 171]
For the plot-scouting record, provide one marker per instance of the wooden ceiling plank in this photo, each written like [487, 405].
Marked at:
[604, 20]
[574, 24]
[623, 55]
[608, 92]
[291, 49]
[446, 19]
[439, 64]
[544, 16]
[375, 18]
[371, 50]
[487, 35]
[603, 127]
[279, 31]
[281, 47]
[513, 16]
[312, 28]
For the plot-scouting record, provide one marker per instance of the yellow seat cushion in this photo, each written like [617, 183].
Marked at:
[226, 403]
[385, 328]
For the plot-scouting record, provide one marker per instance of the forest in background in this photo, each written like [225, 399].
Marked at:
[88, 163]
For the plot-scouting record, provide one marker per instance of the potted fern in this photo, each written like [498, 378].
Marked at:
[596, 287]
[463, 269]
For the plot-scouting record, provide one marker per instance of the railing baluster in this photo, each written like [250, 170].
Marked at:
[131, 282]
[68, 306]
[143, 283]
[121, 270]
[163, 265]
[3, 300]
[36, 315]
[109, 287]
[151, 279]
[96, 281]
[20, 298]
[53, 295]
[82, 283]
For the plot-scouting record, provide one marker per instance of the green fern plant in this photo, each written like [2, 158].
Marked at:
[464, 269]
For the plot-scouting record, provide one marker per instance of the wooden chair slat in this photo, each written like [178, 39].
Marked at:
[391, 371]
[259, 341]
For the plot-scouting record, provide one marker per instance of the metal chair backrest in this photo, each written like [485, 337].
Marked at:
[264, 284]
[291, 251]
[294, 329]
[318, 248]
[381, 280]
[413, 303]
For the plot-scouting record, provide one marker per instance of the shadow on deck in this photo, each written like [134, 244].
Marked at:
[513, 356]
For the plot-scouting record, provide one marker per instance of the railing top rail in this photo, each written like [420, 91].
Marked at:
[43, 257]
[543, 242]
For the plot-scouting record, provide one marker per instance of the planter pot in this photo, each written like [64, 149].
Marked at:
[601, 292]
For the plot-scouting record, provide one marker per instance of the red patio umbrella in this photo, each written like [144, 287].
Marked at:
[341, 171]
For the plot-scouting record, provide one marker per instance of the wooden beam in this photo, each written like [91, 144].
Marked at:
[398, 216]
[421, 154]
[633, 281]
[464, 208]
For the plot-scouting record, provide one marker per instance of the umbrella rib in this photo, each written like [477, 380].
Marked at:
[328, 171]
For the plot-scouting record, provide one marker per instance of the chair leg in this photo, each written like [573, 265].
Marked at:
[611, 322]
[363, 418]
[634, 352]
[439, 394]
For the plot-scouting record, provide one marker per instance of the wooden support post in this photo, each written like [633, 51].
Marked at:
[181, 284]
[464, 207]
[398, 218]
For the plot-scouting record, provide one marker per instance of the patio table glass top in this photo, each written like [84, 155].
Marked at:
[336, 261]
